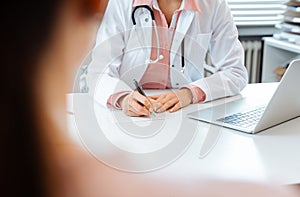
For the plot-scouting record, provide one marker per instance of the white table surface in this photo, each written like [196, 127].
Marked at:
[271, 155]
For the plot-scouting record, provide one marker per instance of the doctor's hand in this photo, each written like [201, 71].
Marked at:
[172, 101]
[135, 104]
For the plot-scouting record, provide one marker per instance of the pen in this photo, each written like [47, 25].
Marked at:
[141, 91]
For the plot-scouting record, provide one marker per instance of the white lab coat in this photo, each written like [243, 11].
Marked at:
[119, 49]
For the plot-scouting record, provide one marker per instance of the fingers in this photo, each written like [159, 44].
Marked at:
[137, 108]
[175, 108]
[141, 99]
[167, 105]
[135, 105]
[174, 100]
[163, 98]
[165, 101]
[133, 114]
[153, 101]
[154, 97]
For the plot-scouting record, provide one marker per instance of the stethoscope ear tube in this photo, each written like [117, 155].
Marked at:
[142, 6]
[159, 56]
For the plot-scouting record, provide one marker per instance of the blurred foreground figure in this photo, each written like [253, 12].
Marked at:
[42, 43]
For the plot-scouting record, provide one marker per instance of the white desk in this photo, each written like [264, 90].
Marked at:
[272, 155]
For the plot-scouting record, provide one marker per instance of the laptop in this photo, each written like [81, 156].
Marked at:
[283, 106]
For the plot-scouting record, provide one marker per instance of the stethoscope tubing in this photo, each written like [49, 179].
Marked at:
[159, 56]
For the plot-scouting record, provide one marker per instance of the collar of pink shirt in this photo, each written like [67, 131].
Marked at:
[186, 4]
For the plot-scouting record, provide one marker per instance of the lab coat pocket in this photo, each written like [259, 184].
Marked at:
[203, 39]
[197, 49]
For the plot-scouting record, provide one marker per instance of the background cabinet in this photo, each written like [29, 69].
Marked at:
[276, 53]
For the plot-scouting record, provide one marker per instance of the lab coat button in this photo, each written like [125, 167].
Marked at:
[173, 66]
[177, 84]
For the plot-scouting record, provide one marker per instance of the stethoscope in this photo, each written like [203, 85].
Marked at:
[159, 56]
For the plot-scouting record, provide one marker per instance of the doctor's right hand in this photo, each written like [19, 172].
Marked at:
[135, 104]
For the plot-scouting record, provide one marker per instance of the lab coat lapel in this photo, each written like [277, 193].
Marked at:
[183, 25]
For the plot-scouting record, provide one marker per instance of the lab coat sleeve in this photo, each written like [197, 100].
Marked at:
[103, 71]
[227, 55]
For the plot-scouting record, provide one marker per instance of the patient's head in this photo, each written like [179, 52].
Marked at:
[42, 44]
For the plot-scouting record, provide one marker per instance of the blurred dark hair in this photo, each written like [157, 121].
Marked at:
[25, 30]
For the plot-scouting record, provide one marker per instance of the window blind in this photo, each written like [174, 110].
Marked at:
[256, 12]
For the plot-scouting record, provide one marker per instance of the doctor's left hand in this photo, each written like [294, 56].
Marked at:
[172, 101]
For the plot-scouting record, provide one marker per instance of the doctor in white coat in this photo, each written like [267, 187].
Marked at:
[163, 44]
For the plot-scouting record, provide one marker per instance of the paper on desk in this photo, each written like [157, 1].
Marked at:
[113, 115]
[119, 116]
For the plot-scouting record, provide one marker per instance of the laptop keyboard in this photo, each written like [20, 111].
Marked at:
[244, 119]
